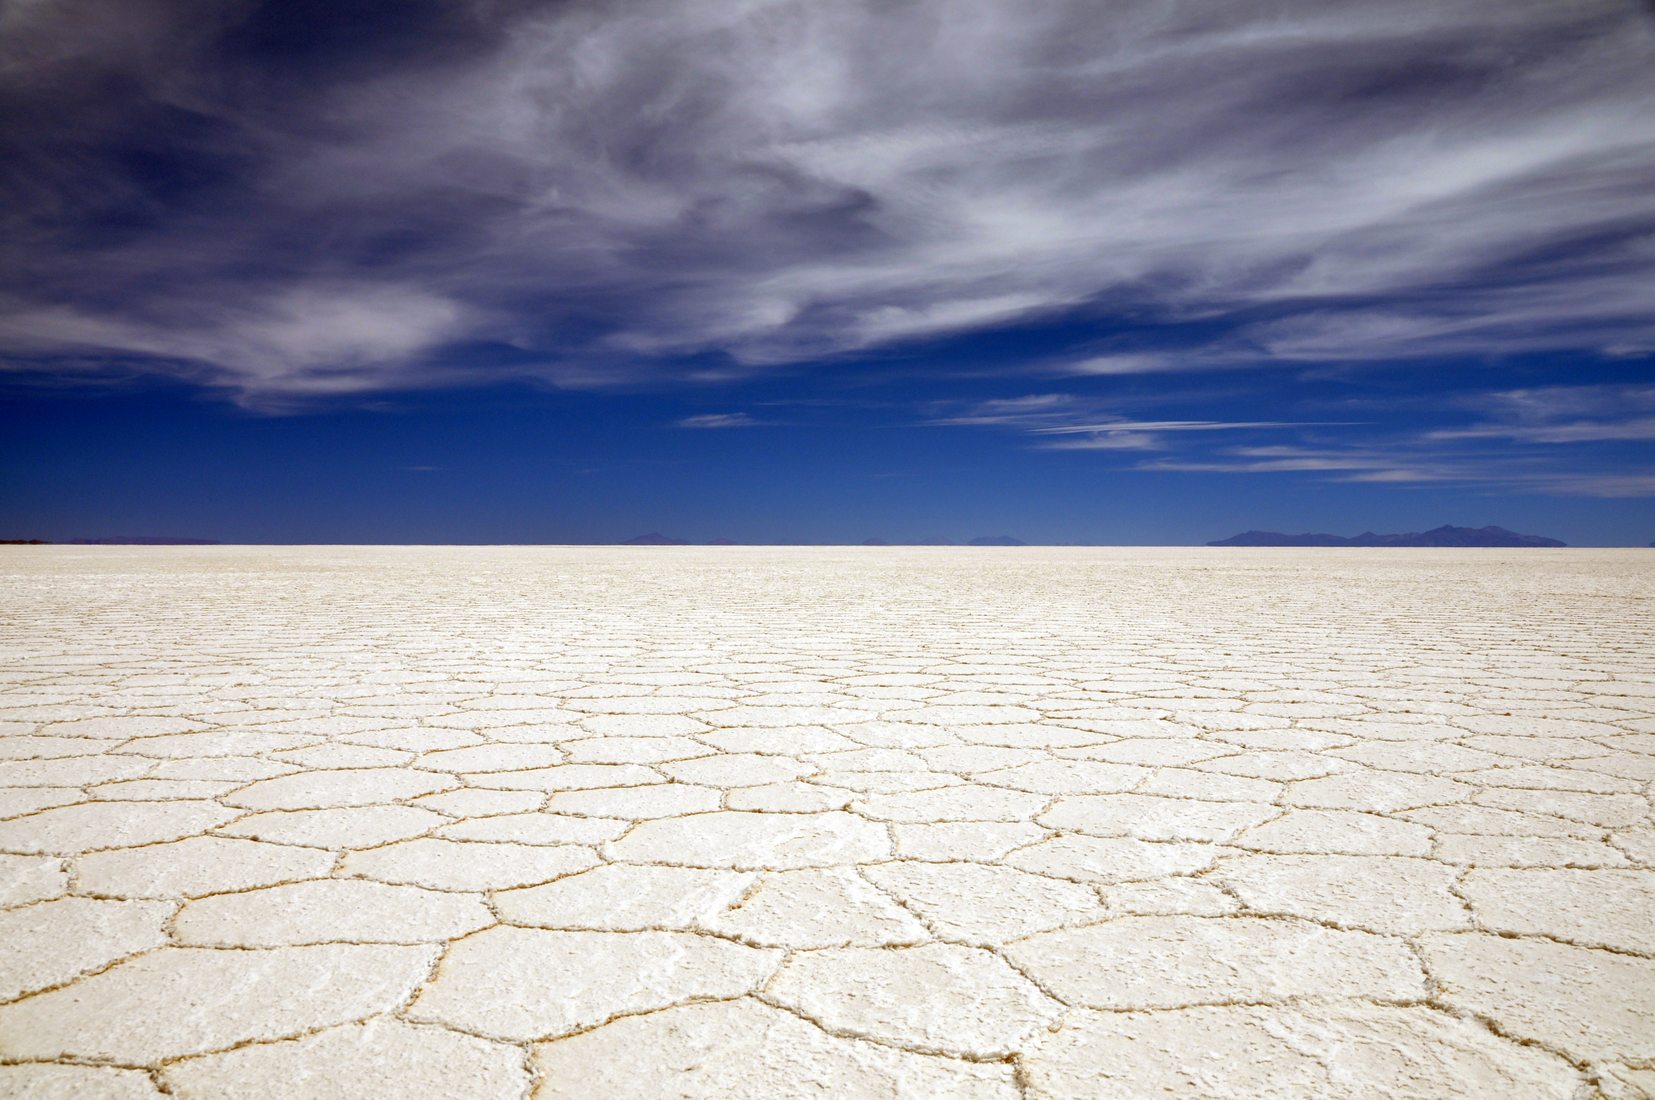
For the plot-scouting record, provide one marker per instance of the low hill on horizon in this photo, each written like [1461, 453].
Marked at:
[1446, 535]
[141, 540]
[654, 538]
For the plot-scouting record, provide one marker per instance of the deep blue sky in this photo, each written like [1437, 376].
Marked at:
[542, 272]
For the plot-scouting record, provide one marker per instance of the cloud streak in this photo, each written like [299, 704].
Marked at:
[1548, 439]
[706, 421]
[594, 193]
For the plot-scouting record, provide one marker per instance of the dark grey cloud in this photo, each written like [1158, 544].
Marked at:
[304, 199]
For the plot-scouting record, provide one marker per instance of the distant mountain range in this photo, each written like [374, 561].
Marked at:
[1439, 536]
[142, 540]
[654, 538]
[116, 540]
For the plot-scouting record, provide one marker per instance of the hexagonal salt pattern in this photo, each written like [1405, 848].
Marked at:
[498, 822]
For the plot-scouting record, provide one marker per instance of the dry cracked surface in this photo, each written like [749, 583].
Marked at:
[322, 822]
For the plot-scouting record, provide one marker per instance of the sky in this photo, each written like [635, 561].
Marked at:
[1145, 272]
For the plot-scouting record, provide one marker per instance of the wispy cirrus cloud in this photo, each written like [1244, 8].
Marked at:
[1066, 422]
[1516, 440]
[719, 420]
[1420, 460]
[1561, 414]
[591, 192]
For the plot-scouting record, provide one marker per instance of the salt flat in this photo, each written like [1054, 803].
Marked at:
[740, 822]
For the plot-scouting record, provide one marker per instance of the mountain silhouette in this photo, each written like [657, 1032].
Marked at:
[1437, 536]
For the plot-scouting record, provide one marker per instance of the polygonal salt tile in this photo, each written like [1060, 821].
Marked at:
[963, 803]
[214, 743]
[76, 771]
[1637, 844]
[635, 803]
[832, 907]
[1243, 1052]
[520, 983]
[161, 790]
[789, 798]
[569, 777]
[195, 865]
[1025, 735]
[43, 1081]
[1150, 817]
[1283, 765]
[17, 801]
[638, 704]
[1418, 756]
[620, 898]
[632, 750]
[1170, 896]
[1536, 777]
[977, 758]
[964, 715]
[1112, 859]
[786, 740]
[868, 760]
[383, 1057]
[328, 728]
[1377, 791]
[119, 728]
[1526, 725]
[534, 719]
[492, 758]
[49, 943]
[1487, 821]
[482, 801]
[1607, 811]
[1610, 908]
[1067, 777]
[968, 841]
[535, 828]
[1169, 962]
[790, 715]
[903, 782]
[30, 878]
[467, 865]
[938, 998]
[736, 770]
[329, 911]
[67, 830]
[344, 787]
[1399, 894]
[184, 1000]
[1211, 787]
[754, 841]
[641, 725]
[982, 905]
[14, 747]
[416, 739]
[1589, 1004]
[346, 827]
[743, 1050]
[236, 769]
[340, 754]
[1518, 851]
[1342, 832]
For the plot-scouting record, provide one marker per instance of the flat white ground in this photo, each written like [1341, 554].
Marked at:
[408, 822]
